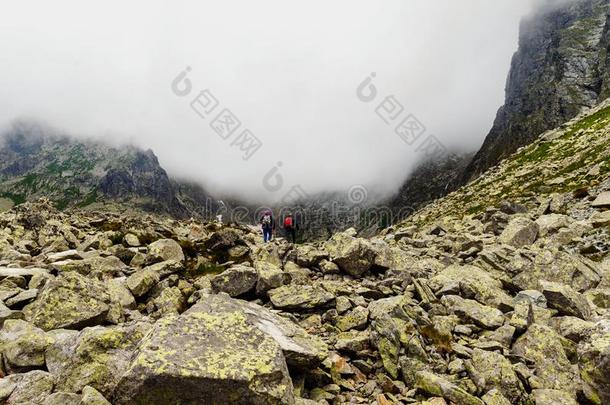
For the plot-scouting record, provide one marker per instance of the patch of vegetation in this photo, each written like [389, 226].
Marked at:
[206, 268]
[89, 199]
[71, 194]
[30, 181]
[539, 153]
[76, 161]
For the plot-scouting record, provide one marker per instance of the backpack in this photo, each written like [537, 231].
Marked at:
[266, 220]
[288, 222]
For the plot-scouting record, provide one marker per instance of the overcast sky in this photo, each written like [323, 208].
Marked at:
[288, 71]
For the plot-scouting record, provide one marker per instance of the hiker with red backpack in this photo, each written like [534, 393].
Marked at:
[268, 225]
[290, 227]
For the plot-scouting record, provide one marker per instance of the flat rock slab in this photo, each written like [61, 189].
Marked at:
[299, 297]
[10, 271]
[602, 200]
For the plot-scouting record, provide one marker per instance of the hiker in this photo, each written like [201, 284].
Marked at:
[268, 225]
[290, 227]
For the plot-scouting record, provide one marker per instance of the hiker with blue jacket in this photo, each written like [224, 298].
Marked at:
[268, 225]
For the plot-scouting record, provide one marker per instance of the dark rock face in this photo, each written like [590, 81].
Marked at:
[560, 68]
[142, 176]
[431, 180]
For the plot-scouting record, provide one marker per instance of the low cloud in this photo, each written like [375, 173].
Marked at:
[288, 72]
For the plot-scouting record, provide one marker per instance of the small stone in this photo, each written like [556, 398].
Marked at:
[472, 311]
[438, 386]
[91, 396]
[533, 296]
[600, 219]
[142, 281]
[353, 341]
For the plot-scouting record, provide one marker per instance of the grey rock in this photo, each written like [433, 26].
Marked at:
[235, 281]
[472, 311]
[602, 200]
[299, 297]
[565, 300]
[520, 232]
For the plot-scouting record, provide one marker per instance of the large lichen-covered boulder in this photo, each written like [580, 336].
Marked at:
[120, 300]
[496, 371]
[235, 281]
[23, 345]
[93, 266]
[95, 356]
[571, 327]
[473, 282]
[594, 363]
[556, 266]
[7, 313]
[142, 281]
[549, 224]
[63, 398]
[545, 348]
[213, 353]
[28, 388]
[391, 257]
[91, 396]
[300, 348]
[163, 250]
[309, 256]
[520, 232]
[355, 256]
[70, 301]
[390, 323]
[296, 297]
[270, 276]
[436, 385]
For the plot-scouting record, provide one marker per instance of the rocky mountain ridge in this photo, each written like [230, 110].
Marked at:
[36, 162]
[497, 294]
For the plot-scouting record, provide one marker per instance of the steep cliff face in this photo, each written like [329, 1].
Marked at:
[561, 67]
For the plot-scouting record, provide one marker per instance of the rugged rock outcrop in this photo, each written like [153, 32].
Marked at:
[560, 68]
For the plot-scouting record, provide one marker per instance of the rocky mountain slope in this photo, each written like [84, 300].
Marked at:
[561, 67]
[39, 162]
[474, 300]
